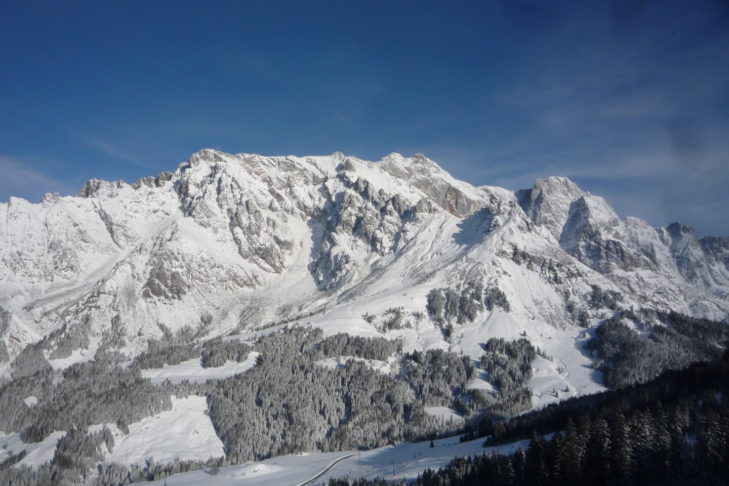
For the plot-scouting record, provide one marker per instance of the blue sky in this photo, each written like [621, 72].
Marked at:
[629, 98]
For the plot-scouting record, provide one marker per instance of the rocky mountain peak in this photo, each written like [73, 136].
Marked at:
[548, 203]
[457, 197]
[93, 187]
[680, 230]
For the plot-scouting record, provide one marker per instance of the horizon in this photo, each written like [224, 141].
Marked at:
[628, 99]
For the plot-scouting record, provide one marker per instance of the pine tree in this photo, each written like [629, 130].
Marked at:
[679, 460]
[571, 454]
[621, 454]
[554, 459]
[518, 459]
[658, 462]
[506, 473]
[536, 468]
[724, 431]
[597, 454]
[662, 434]
[710, 443]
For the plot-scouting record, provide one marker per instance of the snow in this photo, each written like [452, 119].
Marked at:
[547, 384]
[480, 383]
[193, 371]
[252, 469]
[30, 401]
[36, 453]
[445, 414]
[183, 433]
[385, 367]
[77, 356]
[407, 460]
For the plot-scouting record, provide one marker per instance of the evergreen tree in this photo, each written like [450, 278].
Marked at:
[536, 472]
[712, 445]
[621, 454]
[571, 459]
[506, 473]
[554, 459]
[643, 444]
[597, 454]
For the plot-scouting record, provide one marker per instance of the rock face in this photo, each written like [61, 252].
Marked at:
[235, 242]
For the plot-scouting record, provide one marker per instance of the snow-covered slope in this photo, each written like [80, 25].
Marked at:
[35, 454]
[401, 462]
[183, 433]
[193, 372]
[231, 243]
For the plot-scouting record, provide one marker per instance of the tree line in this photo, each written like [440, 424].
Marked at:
[633, 438]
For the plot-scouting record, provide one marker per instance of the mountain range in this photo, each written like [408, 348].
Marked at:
[244, 307]
[228, 244]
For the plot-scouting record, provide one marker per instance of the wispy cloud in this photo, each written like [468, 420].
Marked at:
[110, 149]
[19, 179]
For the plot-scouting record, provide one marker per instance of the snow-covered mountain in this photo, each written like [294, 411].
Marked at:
[233, 243]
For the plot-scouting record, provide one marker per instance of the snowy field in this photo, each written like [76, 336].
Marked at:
[183, 433]
[404, 461]
[36, 453]
[192, 371]
[445, 414]
[77, 356]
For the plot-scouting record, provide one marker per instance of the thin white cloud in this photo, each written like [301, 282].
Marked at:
[19, 179]
[110, 149]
